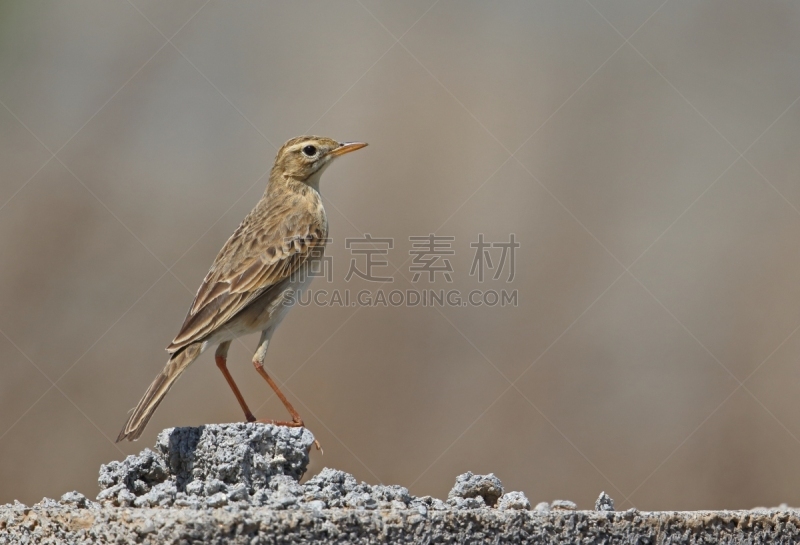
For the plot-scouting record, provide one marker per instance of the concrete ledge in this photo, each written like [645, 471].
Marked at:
[63, 524]
[239, 483]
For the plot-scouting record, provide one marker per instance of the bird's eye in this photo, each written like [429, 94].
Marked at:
[310, 151]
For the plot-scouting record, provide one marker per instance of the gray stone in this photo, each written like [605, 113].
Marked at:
[514, 500]
[466, 503]
[604, 503]
[46, 503]
[317, 505]
[217, 500]
[76, 499]
[488, 487]
[391, 493]
[211, 487]
[195, 488]
[238, 492]
[233, 459]
[125, 498]
[563, 505]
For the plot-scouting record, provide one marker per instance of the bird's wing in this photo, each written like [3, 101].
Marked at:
[263, 251]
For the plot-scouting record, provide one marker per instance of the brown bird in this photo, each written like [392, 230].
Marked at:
[256, 275]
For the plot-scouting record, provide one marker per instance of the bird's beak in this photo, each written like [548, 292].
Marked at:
[347, 147]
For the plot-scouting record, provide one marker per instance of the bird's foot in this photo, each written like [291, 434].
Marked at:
[287, 423]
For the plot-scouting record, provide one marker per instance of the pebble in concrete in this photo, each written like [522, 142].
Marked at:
[480, 489]
[514, 500]
[604, 503]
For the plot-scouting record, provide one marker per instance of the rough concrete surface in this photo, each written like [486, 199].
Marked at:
[240, 483]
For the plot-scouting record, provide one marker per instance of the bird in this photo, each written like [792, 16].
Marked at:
[257, 274]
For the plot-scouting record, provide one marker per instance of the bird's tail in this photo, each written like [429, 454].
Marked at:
[158, 389]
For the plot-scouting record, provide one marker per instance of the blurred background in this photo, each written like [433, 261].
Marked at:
[644, 153]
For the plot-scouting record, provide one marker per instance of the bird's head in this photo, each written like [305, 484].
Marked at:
[305, 157]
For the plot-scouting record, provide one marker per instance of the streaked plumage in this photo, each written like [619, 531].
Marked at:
[258, 268]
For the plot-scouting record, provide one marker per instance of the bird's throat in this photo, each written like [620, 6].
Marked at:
[313, 180]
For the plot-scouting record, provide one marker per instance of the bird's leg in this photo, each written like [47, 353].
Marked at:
[258, 363]
[221, 358]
